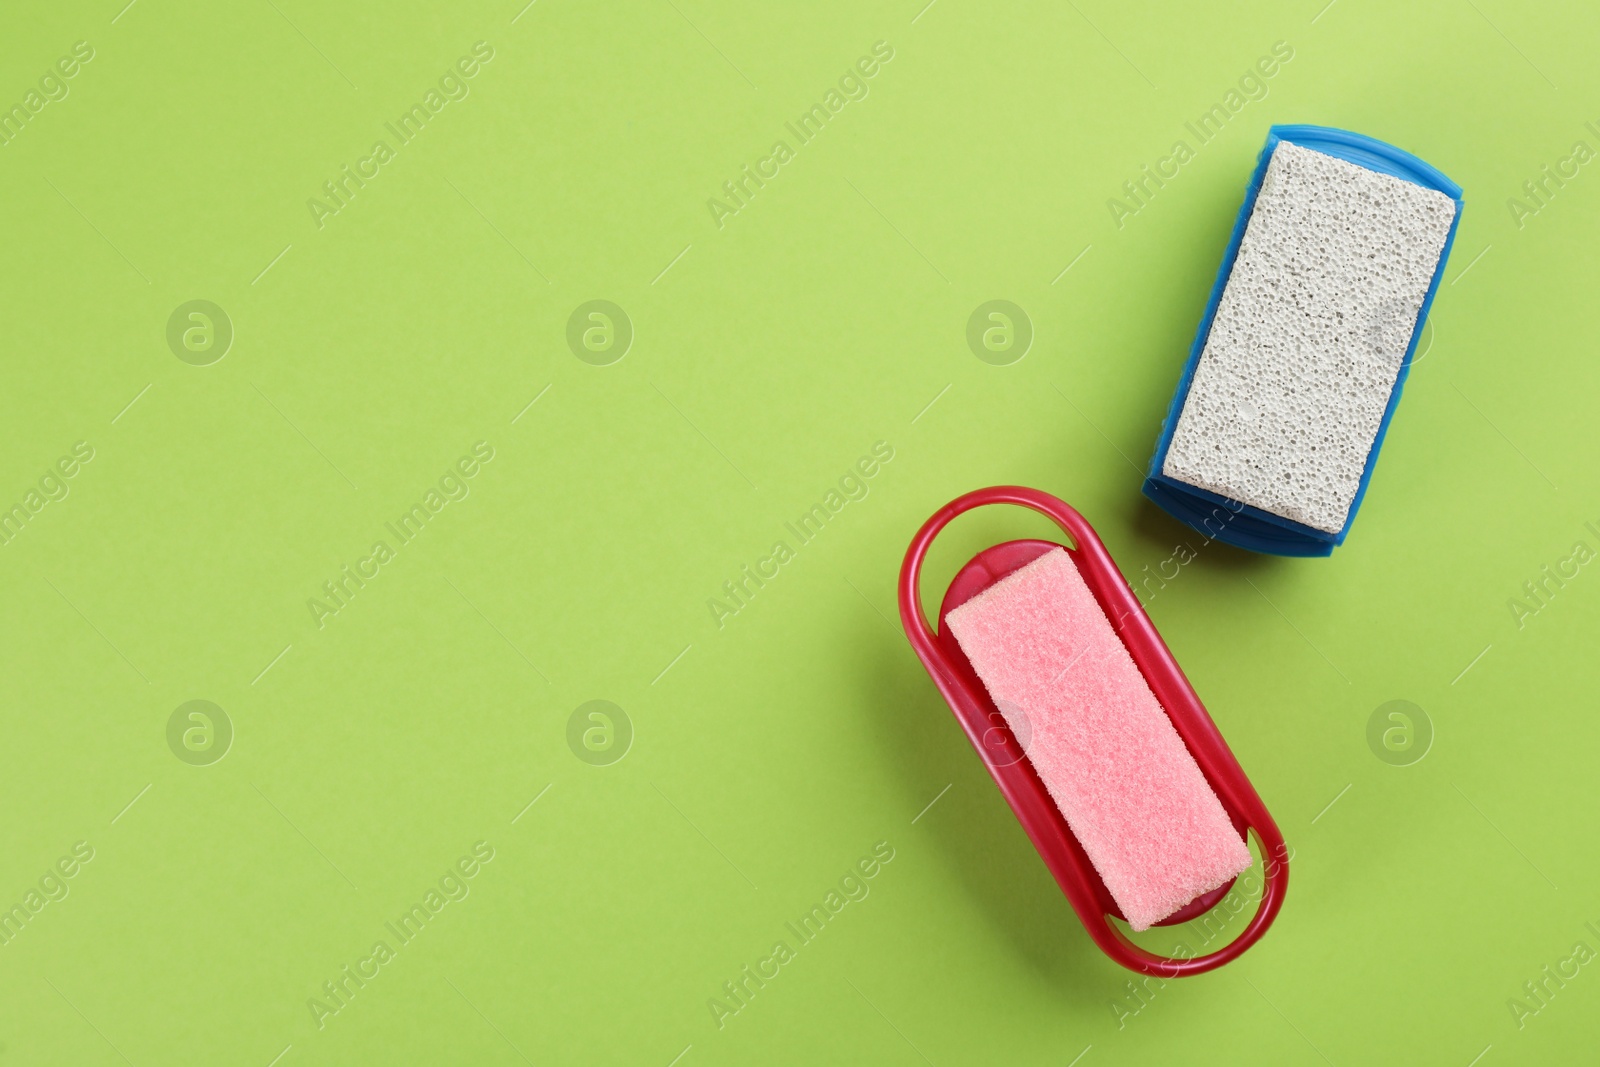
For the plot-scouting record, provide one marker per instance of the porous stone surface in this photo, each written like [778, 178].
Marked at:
[1309, 336]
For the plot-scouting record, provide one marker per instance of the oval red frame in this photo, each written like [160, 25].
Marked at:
[1015, 776]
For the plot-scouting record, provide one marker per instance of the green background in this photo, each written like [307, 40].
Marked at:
[771, 753]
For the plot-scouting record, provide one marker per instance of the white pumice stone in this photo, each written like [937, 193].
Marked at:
[1308, 338]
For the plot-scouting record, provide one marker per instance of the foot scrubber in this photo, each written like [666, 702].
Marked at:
[1093, 735]
[1297, 367]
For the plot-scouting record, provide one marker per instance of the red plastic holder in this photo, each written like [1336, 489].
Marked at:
[1006, 758]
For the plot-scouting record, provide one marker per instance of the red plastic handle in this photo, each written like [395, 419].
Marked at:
[1020, 784]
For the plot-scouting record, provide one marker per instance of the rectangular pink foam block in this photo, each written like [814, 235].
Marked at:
[1104, 748]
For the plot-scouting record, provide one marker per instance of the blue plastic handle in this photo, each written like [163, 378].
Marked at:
[1245, 525]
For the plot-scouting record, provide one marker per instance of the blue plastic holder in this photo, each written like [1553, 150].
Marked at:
[1245, 525]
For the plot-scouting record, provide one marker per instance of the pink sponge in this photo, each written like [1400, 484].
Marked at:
[1131, 792]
